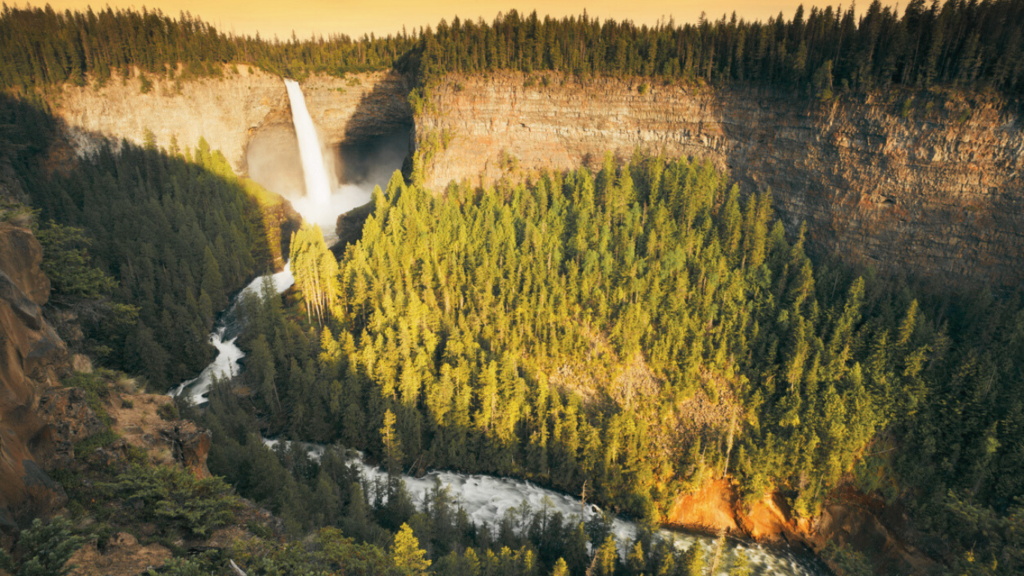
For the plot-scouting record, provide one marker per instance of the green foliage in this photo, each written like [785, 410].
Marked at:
[328, 552]
[185, 567]
[458, 319]
[951, 43]
[101, 439]
[6, 562]
[846, 561]
[175, 499]
[178, 233]
[45, 47]
[907, 107]
[740, 564]
[168, 411]
[406, 553]
[45, 549]
[991, 543]
[96, 385]
[315, 270]
[66, 263]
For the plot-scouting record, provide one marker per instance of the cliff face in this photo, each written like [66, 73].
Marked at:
[230, 112]
[934, 188]
[32, 357]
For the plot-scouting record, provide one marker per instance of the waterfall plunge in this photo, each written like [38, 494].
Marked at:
[318, 190]
[322, 204]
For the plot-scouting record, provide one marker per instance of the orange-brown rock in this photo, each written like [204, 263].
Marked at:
[938, 191]
[863, 522]
[32, 357]
[70, 420]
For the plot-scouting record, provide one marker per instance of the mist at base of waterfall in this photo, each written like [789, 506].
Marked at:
[360, 168]
[344, 199]
[273, 160]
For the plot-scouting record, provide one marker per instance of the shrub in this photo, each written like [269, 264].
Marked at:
[46, 549]
[168, 411]
[175, 499]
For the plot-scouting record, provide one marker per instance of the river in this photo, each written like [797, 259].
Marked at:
[484, 498]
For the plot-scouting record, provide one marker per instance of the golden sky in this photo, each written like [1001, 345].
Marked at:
[381, 17]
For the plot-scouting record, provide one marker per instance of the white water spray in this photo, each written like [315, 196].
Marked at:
[322, 203]
[318, 188]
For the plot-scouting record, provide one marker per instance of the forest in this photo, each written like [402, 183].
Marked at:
[817, 53]
[644, 329]
[45, 48]
[143, 246]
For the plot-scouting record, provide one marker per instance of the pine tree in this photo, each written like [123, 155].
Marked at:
[406, 553]
[47, 547]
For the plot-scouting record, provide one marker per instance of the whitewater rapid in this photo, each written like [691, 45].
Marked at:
[225, 333]
[487, 499]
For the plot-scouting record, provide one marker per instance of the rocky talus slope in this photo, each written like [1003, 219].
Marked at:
[932, 185]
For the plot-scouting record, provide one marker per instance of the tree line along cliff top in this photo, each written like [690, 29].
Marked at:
[817, 52]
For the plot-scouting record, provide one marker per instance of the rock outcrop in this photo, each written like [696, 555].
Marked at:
[850, 518]
[32, 357]
[933, 186]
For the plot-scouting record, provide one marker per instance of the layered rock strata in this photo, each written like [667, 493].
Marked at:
[932, 185]
[229, 112]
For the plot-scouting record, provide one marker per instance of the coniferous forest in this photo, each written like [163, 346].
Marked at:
[635, 331]
[166, 235]
[818, 52]
[515, 331]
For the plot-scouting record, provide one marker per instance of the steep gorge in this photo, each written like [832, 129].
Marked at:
[931, 186]
[928, 186]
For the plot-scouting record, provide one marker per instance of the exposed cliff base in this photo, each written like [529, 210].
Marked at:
[864, 523]
[931, 185]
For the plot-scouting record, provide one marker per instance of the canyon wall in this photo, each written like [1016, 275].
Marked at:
[231, 111]
[32, 358]
[932, 186]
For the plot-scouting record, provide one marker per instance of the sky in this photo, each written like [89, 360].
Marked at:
[381, 17]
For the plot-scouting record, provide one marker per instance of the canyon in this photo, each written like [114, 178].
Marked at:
[926, 185]
[232, 112]
[930, 186]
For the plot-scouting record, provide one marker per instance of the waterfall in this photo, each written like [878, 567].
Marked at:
[318, 188]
